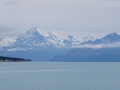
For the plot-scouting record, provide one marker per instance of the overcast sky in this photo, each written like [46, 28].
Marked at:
[77, 17]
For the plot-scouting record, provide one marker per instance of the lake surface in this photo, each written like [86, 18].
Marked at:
[59, 76]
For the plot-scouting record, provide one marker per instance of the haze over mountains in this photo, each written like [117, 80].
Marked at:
[39, 45]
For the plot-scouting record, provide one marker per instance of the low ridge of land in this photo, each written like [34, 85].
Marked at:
[11, 59]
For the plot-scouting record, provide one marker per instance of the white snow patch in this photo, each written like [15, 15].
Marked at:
[6, 42]
[19, 49]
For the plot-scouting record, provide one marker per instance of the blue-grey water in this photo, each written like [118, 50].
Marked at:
[59, 76]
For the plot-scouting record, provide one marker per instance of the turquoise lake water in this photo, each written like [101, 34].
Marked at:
[60, 76]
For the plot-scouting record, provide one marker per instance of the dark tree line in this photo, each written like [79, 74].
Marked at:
[11, 59]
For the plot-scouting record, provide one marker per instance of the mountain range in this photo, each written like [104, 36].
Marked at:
[40, 45]
[36, 39]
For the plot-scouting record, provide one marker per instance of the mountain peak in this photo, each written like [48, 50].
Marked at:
[113, 34]
[37, 31]
[52, 32]
[88, 38]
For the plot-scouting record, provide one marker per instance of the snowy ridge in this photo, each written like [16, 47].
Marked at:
[38, 39]
[6, 42]
[88, 38]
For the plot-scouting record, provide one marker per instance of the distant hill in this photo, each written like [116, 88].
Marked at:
[11, 59]
[90, 55]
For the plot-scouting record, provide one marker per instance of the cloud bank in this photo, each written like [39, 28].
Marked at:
[77, 16]
[114, 45]
[9, 32]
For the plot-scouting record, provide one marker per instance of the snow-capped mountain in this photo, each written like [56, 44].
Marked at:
[39, 45]
[37, 38]
[108, 39]
[87, 39]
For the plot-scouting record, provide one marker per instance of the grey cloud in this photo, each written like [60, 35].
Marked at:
[114, 45]
[62, 15]
[9, 32]
[10, 3]
[3, 28]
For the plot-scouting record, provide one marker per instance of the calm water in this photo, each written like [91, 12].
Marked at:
[59, 76]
